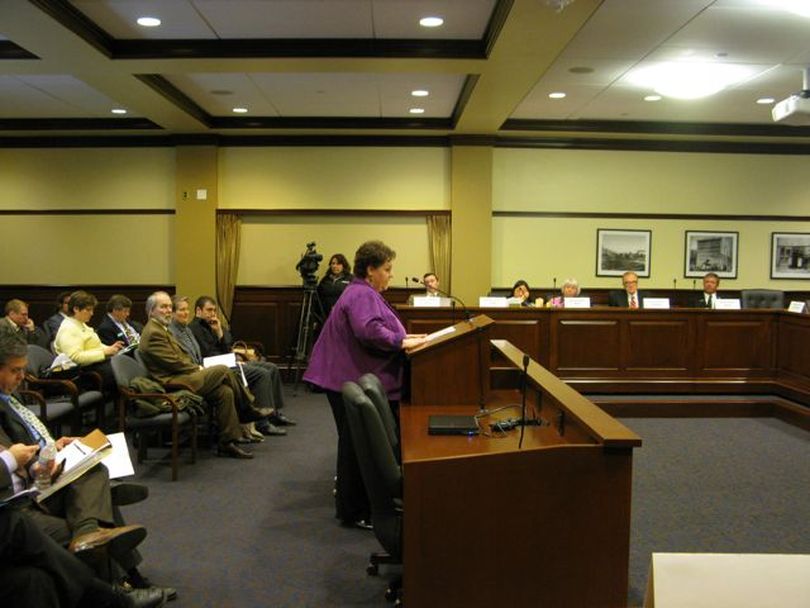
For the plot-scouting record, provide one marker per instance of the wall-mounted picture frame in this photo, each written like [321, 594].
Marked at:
[618, 251]
[707, 251]
[790, 255]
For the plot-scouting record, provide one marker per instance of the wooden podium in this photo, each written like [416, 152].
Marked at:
[452, 368]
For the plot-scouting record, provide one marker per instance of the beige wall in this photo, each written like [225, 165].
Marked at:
[539, 249]
[334, 178]
[272, 246]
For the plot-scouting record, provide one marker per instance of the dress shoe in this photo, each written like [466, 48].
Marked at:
[270, 429]
[118, 541]
[130, 597]
[362, 524]
[231, 450]
[254, 414]
[128, 493]
[141, 582]
[279, 419]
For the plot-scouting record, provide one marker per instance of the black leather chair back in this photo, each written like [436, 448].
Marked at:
[374, 390]
[125, 369]
[763, 298]
[39, 360]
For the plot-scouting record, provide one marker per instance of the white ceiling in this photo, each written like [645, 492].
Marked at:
[532, 56]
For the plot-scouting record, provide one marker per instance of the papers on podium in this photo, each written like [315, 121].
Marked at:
[442, 332]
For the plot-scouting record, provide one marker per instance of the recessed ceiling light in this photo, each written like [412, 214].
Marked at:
[431, 21]
[557, 95]
[118, 111]
[420, 93]
[652, 98]
[688, 79]
[765, 101]
[417, 110]
[240, 110]
[148, 21]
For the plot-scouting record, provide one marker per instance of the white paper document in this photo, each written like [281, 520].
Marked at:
[442, 332]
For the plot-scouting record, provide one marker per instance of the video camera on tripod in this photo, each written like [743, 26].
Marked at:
[307, 266]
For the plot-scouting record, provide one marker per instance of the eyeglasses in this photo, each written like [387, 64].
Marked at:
[630, 282]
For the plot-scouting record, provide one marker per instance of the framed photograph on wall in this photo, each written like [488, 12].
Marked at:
[711, 252]
[790, 255]
[618, 251]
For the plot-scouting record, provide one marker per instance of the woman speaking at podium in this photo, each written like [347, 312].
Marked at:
[362, 334]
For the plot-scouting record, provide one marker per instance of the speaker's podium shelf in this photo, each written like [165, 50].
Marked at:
[489, 523]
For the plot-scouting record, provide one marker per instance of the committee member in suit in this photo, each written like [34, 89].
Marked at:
[54, 322]
[168, 362]
[630, 296]
[362, 334]
[708, 299]
[81, 343]
[116, 325]
[35, 572]
[263, 377]
[80, 514]
[336, 279]
[17, 321]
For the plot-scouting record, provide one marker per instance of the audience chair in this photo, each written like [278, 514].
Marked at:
[762, 298]
[61, 395]
[374, 390]
[127, 368]
[381, 474]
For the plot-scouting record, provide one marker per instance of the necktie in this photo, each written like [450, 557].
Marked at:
[633, 303]
[129, 334]
[34, 425]
[711, 301]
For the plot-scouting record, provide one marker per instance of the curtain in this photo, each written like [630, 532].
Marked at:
[439, 242]
[229, 231]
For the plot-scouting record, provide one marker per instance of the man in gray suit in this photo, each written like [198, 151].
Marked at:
[17, 322]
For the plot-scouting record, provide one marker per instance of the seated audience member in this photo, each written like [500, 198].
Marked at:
[16, 321]
[35, 572]
[708, 299]
[116, 325]
[167, 361]
[630, 296]
[569, 289]
[55, 321]
[81, 343]
[263, 377]
[521, 291]
[81, 515]
[337, 277]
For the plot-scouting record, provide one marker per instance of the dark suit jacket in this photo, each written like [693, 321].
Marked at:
[52, 325]
[699, 301]
[38, 336]
[109, 332]
[210, 345]
[618, 298]
[11, 431]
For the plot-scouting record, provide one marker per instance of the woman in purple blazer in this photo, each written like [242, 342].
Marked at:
[362, 334]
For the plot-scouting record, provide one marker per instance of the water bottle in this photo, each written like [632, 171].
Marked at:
[42, 469]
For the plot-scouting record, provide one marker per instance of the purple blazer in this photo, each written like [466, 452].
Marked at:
[362, 334]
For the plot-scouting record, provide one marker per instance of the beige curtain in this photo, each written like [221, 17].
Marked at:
[229, 232]
[439, 242]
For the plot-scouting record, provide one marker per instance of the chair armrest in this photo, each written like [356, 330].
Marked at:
[66, 385]
[43, 404]
[94, 379]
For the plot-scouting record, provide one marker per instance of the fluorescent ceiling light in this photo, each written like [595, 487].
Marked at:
[797, 7]
[557, 95]
[420, 93]
[688, 80]
[431, 21]
[239, 110]
[652, 98]
[765, 101]
[118, 111]
[149, 21]
[417, 110]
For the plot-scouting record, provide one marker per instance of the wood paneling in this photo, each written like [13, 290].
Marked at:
[659, 345]
[735, 344]
[586, 345]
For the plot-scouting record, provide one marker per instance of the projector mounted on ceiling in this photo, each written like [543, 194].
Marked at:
[795, 110]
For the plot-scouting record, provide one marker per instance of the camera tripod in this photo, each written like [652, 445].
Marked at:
[311, 314]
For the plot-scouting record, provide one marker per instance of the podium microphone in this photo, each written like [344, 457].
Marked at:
[693, 284]
[524, 386]
[675, 283]
[467, 314]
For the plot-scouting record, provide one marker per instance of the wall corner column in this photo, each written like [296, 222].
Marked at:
[195, 220]
[471, 204]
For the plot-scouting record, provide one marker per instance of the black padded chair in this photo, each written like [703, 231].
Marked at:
[382, 477]
[61, 397]
[127, 368]
[374, 390]
[762, 298]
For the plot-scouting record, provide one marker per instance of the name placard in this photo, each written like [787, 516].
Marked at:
[727, 304]
[431, 302]
[796, 306]
[492, 302]
[583, 302]
[660, 303]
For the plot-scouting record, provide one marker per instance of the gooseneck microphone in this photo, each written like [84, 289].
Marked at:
[467, 314]
[524, 385]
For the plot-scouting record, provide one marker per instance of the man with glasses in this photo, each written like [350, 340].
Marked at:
[630, 296]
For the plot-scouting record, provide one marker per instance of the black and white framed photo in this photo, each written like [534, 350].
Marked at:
[618, 251]
[790, 255]
[711, 252]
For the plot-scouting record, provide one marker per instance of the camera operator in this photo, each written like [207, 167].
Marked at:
[336, 279]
